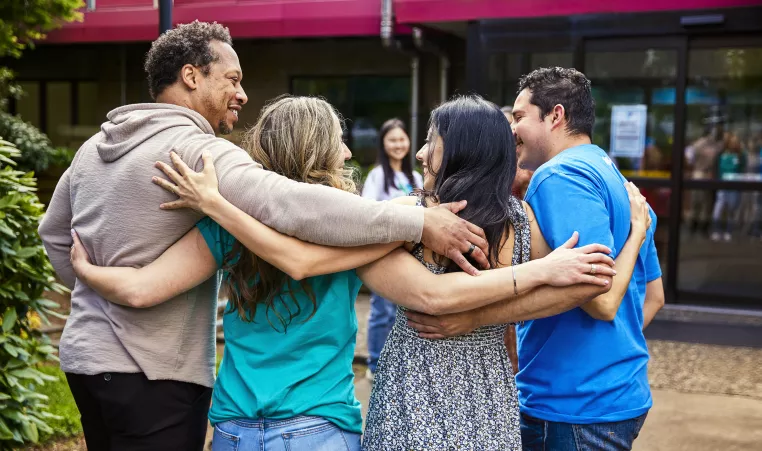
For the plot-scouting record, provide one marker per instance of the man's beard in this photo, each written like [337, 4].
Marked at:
[224, 129]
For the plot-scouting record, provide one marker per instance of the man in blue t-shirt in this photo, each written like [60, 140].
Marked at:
[583, 382]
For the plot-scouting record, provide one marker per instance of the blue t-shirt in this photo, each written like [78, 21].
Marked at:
[306, 370]
[573, 368]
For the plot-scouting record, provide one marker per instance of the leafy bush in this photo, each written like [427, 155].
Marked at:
[25, 273]
[8, 88]
[60, 403]
[37, 152]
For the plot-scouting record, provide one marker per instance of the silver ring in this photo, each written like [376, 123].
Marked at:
[592, 269]
[470, 250]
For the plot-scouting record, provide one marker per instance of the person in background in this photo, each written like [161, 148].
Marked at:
[701, 161]
[393, 177]
[754, 168]
[508, 112]
[730, 164]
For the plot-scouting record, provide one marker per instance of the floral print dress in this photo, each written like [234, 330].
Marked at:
[452, 394]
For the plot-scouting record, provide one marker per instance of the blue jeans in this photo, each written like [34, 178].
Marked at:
[727, 202]
[301, 433]
[540, 435]
[380, 322]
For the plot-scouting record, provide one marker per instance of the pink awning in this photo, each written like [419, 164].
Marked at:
[138, 20]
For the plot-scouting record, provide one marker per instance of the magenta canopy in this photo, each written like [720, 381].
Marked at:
[138, 20]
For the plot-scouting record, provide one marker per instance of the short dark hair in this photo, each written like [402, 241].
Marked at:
[186, 44]
[570, 88]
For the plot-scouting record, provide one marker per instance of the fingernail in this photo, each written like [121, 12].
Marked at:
[72, 233]
[615, 272]
[606, 282]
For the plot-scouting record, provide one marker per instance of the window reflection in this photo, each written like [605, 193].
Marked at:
[721, 254]
[724, 114]
[503, 77]
[551, 59]
[635, 79]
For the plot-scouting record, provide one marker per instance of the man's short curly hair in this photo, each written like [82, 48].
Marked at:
[186, 44]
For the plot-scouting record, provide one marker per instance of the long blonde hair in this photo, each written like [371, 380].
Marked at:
[299, 138]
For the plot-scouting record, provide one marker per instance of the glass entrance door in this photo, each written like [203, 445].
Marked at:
[720, 249]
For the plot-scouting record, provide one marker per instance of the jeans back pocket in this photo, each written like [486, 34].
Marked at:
[322, 437]
[224, 441]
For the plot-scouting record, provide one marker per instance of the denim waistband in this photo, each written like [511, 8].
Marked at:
[261, 423]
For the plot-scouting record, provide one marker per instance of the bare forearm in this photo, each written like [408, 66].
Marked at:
[184, 265]
[654, 301]
[297, 258]
[649, 312]
[400, 278]
[605, 306]
[541, 302]
[115, 284]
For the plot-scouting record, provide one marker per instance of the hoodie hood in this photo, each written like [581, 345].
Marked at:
[131, 125]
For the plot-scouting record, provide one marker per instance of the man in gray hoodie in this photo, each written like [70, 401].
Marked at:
[142, 378]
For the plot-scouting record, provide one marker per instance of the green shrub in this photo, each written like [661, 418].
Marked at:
[60, 403]
[37, 152]
[25, 273]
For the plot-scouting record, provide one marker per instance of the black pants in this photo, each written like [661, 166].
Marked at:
[129, 412]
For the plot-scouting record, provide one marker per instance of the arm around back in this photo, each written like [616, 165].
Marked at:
[314, 213]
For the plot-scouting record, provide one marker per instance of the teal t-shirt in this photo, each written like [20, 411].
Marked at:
[306, 370]
[730, 164]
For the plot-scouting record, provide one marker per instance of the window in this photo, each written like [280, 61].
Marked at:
[28, 106]
[67, 111]
[365, 103]
[643, 78]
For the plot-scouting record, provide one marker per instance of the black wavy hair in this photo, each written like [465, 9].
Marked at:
[478, 164]
[186, 44]
[383, 158]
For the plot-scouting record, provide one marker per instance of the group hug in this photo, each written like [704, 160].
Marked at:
[157, 215]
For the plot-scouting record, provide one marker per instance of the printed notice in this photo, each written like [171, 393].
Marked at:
[628, 130]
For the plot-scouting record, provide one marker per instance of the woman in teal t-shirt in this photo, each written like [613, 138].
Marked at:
[286, 378]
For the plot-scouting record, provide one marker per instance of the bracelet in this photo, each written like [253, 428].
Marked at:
[515, 288]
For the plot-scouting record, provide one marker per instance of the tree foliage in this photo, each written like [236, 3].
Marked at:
[22, 22]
